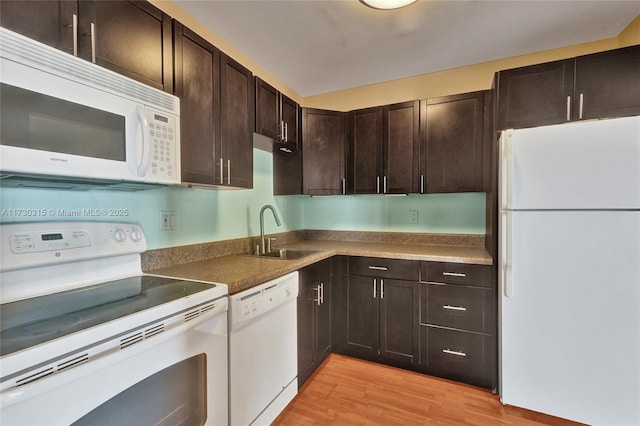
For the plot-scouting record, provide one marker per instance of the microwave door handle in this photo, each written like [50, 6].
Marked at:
[143, 165]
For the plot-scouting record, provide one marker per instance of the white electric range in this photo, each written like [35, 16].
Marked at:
[87, 338]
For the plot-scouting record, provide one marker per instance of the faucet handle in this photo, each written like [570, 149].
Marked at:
[269, 243]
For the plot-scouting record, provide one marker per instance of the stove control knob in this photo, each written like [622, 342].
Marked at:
[118, 235]
[136, 236]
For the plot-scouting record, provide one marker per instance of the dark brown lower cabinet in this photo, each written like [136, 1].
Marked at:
[458, 323]
[458, 355]
[375, 316]
[314, 318]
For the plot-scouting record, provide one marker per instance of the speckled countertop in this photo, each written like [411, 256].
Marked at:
[240, 272]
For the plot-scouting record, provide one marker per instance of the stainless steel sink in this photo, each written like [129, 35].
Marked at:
[287, 254]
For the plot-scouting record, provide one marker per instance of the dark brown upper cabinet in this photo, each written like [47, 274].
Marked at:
[132, 38]
[401, 152]
[384, 149]
[277, 116]
[599, 85]
[607, 84]
[452, 137]
[365, 150]
[217, 114]
[323, 147]
[287, 171]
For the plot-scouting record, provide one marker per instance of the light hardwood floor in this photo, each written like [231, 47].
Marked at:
[348, 391]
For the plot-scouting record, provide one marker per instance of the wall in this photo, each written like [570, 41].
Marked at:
[448, 82]
[211, 215]
[203, 215]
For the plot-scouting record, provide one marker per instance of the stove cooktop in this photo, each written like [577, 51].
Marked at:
[30, 322]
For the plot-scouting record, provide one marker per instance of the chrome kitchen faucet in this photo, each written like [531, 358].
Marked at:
[262, 240]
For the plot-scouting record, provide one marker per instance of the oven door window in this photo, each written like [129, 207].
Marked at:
[176, 395]
[36, 121]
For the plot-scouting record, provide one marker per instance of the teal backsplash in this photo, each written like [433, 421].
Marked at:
[210, 215]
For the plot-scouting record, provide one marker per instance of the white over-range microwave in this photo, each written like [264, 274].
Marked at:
[64, 119]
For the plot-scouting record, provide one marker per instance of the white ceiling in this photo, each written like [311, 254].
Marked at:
[320, 46]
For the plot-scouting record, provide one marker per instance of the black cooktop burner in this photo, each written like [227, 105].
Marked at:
[30, 322]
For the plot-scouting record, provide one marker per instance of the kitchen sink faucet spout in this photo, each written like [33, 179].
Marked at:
[275, 215]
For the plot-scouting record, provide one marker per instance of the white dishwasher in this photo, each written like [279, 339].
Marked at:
[263, 351]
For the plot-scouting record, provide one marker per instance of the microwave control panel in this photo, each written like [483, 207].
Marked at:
[163, 133]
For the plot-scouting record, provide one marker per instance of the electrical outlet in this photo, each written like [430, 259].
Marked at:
[413, 216]
[168, 220]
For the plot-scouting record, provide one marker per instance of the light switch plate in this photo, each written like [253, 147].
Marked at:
[168, 220]
[413, 216]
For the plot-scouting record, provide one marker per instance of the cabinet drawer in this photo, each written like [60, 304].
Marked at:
[456, 273]
[458, 355]
[384, 268]
[466, 308]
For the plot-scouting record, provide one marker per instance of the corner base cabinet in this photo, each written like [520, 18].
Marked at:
[376, 306]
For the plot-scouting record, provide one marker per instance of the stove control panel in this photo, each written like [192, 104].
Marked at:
[29, 242]
[28, 245]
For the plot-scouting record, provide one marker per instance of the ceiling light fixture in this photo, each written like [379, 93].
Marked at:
[387, 4]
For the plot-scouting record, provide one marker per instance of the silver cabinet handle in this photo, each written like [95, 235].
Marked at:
[221, 171]
[384, 184]
[288, 151]
[450, 352]
[286, 132]
[377, 184]
[375, 284]
[317, 298]
[581, 105]
[344, 186]
[454, 274]
[75, 34]
[281, 132]
[321, 293]
[422, 184]
[381, 289]
[228, 172]
[93, 42]
[378, 268]
[454, 308]
[568, 108]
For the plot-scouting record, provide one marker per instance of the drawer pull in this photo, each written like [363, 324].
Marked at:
[454, 274]
[454, 308]
[379, 268]
[450, 352]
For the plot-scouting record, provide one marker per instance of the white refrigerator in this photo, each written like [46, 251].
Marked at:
[569, 273]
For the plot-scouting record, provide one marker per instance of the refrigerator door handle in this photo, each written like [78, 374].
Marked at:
[505, 255]
[505, 160]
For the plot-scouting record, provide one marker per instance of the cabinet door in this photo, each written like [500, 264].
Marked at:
[401, 148]
[323, 148]
[197, 84]
[287, 171]
[535, 95]
[267, 106]
[290, 116]
[365, 150]
[608, 84]
[306, 326]
[399, 321]
[324, 317]
[49, 22]
[362, 317]
[132, 38]
[237, 111]
[452, 143]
